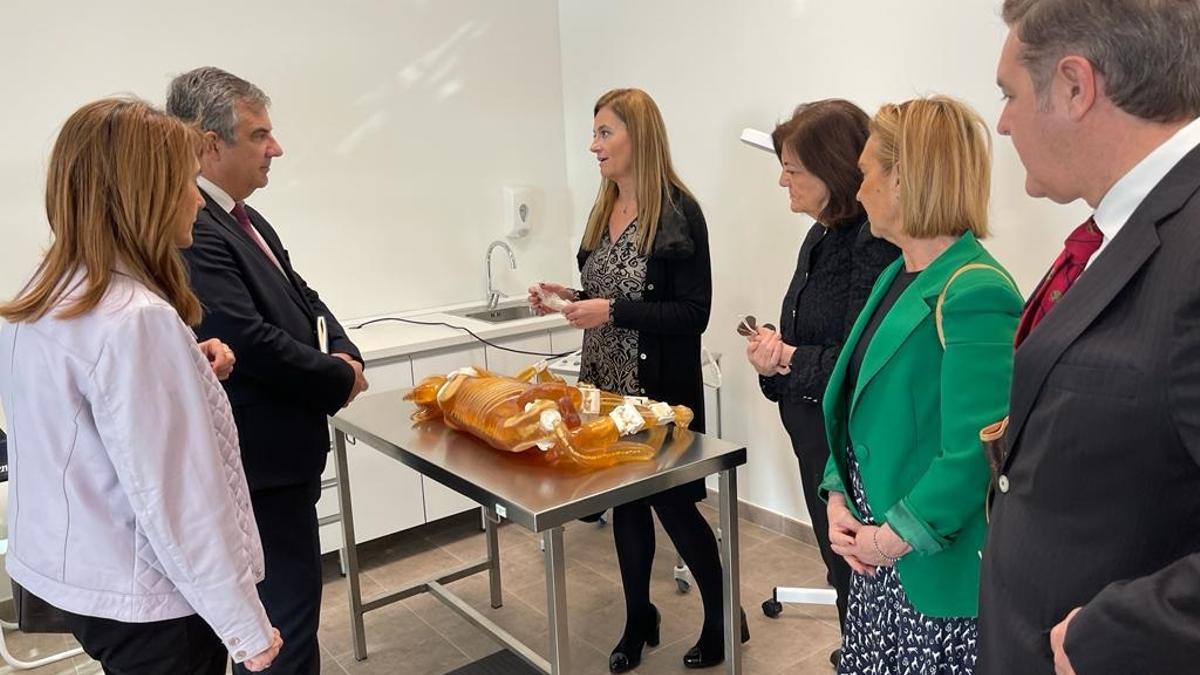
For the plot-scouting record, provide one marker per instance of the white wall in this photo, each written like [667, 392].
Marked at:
[400, 122]
[715, 67]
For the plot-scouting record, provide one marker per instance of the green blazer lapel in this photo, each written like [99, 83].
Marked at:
[913, 307]
[904, 317]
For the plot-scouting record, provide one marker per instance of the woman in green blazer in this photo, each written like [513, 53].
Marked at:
[926, 365]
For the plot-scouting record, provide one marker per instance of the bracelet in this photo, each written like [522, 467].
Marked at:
[875, 542]
[611, 303]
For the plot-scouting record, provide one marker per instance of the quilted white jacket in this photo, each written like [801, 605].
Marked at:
[127, 498]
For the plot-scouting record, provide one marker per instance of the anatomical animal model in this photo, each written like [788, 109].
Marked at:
[580, 426]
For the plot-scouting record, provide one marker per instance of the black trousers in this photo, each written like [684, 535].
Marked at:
[186, 646]
[805, 423]
[291, 591]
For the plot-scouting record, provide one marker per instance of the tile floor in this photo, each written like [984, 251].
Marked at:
[420, 635]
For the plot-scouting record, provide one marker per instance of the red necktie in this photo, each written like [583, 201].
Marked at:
[1080, 246]
[243, 219]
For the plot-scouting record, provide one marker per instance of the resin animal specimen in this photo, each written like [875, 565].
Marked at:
[579, 426]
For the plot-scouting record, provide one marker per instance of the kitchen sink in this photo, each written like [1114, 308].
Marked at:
[499, 314]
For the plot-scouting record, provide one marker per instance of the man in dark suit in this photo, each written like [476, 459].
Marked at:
[284, 386]
[1093, 560]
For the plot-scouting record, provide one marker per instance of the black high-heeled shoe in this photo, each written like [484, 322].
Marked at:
[710, 651]
[627, 655]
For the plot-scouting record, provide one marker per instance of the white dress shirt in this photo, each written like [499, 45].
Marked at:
[1123, 198]
[226, 202]
[127, 498]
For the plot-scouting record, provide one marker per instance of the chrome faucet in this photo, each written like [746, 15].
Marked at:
[493, 295]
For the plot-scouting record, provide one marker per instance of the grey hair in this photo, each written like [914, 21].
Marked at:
[1147, 50]
[209, 96]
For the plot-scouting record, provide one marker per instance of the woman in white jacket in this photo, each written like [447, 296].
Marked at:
[128, 508]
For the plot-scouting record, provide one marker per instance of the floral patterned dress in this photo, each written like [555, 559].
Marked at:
[614, 270]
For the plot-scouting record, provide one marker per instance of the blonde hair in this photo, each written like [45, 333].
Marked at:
[116, 190]
[943, 151]
[653, 172]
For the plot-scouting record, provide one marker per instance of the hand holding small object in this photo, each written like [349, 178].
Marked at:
[546, 297]
[765, 348]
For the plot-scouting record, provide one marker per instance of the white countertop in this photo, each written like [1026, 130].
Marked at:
[388, 339]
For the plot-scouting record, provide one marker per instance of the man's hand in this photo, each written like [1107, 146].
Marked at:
[360, 380]
[220, 357]
[1058, 639]
[262, 661]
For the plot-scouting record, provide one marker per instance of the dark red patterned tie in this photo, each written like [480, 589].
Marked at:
[1080, 246]
[243, 219]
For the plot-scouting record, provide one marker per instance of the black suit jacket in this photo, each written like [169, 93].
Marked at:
[1102, 508]
[282, 387]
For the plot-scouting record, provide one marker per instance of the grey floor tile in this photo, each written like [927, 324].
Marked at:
[421, 636]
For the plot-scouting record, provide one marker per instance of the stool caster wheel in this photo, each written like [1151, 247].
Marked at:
[772, 608]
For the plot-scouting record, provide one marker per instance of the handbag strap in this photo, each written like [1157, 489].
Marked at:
[937, 312]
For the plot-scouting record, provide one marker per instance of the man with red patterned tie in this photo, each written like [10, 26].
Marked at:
[1092, 564]
[284, 386]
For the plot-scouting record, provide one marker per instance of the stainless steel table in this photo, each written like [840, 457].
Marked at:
[534, 496]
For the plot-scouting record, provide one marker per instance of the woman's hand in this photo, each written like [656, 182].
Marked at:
[843, 534]
[262, 661]
[586, 314]
[768, 353]
[220, 357]
[871, 540]
[548, 287]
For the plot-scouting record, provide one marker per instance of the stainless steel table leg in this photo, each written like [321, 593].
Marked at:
[490, 521]
[556, 601]
[357, 633]
[730, 574]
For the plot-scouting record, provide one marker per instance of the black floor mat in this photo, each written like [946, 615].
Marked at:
[501, 663]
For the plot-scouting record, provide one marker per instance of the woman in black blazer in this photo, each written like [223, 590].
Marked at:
[647, 288]
[818, 149]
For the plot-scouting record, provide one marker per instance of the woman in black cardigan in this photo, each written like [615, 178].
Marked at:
[647, 288]
[818, 150]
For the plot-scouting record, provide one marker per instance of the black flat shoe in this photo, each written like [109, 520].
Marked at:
[710, 652]
[627, 655]
[835, 657]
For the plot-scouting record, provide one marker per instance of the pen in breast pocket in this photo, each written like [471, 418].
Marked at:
[322, 335]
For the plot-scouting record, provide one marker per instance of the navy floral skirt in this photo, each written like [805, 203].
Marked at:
[885, 635]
